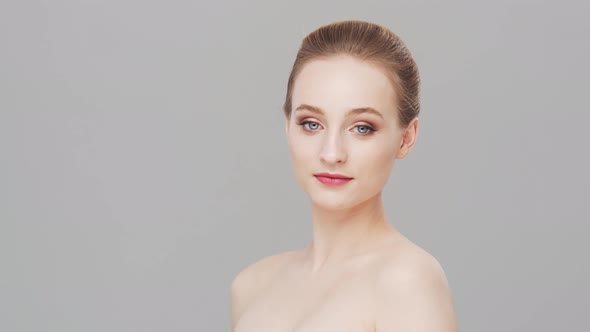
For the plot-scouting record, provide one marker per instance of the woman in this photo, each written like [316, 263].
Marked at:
[351, 109]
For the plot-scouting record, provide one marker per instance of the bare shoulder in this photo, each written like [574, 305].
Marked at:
[260, 271]
[251, 280]
[413, 292]
[408, 262]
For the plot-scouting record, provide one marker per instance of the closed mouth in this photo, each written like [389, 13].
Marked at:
[332, 176]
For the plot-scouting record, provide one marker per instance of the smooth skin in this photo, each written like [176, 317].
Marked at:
[359, 273]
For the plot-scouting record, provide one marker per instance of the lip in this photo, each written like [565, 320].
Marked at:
[332, 179]
[333, 176]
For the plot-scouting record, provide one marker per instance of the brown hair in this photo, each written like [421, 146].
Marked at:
[369, 42]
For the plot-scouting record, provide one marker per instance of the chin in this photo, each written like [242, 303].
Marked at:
[343, 200]
[333, 200]
[331, 206]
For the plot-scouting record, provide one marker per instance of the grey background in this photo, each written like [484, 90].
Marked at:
[143, 158]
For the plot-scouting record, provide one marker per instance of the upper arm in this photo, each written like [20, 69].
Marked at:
[243, 287]
[249, 282]
[416, 298]
[237, 298]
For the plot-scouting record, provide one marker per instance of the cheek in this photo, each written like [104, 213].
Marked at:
[300, 149]
[302, 159]
[378, 160]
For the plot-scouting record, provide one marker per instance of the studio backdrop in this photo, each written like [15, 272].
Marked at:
[143, 159]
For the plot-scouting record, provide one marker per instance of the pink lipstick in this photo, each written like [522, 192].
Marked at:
[332, 179]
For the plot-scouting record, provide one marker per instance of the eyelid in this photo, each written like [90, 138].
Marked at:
[371, 129]
[307, 119]
[365, 123]
[304, 121]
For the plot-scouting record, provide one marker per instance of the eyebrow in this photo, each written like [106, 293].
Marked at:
[359, 110]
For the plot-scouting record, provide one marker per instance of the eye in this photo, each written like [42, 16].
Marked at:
[364, 129]
[309, 125]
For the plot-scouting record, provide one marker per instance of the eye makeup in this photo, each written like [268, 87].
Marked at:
[311, 126]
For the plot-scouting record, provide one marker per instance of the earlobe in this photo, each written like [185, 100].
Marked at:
[403, 150]
[408, 139]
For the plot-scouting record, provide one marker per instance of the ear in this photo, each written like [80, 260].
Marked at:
[409, 137]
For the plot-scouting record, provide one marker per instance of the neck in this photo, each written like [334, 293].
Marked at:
[341, 234]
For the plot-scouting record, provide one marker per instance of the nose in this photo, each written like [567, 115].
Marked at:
[333, 149]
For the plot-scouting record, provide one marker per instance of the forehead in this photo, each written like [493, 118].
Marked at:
[339, 83]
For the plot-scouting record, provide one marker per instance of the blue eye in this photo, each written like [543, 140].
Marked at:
[311, 126]
[364, 129]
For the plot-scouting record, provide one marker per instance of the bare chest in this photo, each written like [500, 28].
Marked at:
[293, 305]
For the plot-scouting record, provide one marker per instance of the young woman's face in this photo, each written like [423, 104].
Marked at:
[327, 135]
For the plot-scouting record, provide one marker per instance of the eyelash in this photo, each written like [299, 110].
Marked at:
[370, 128]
